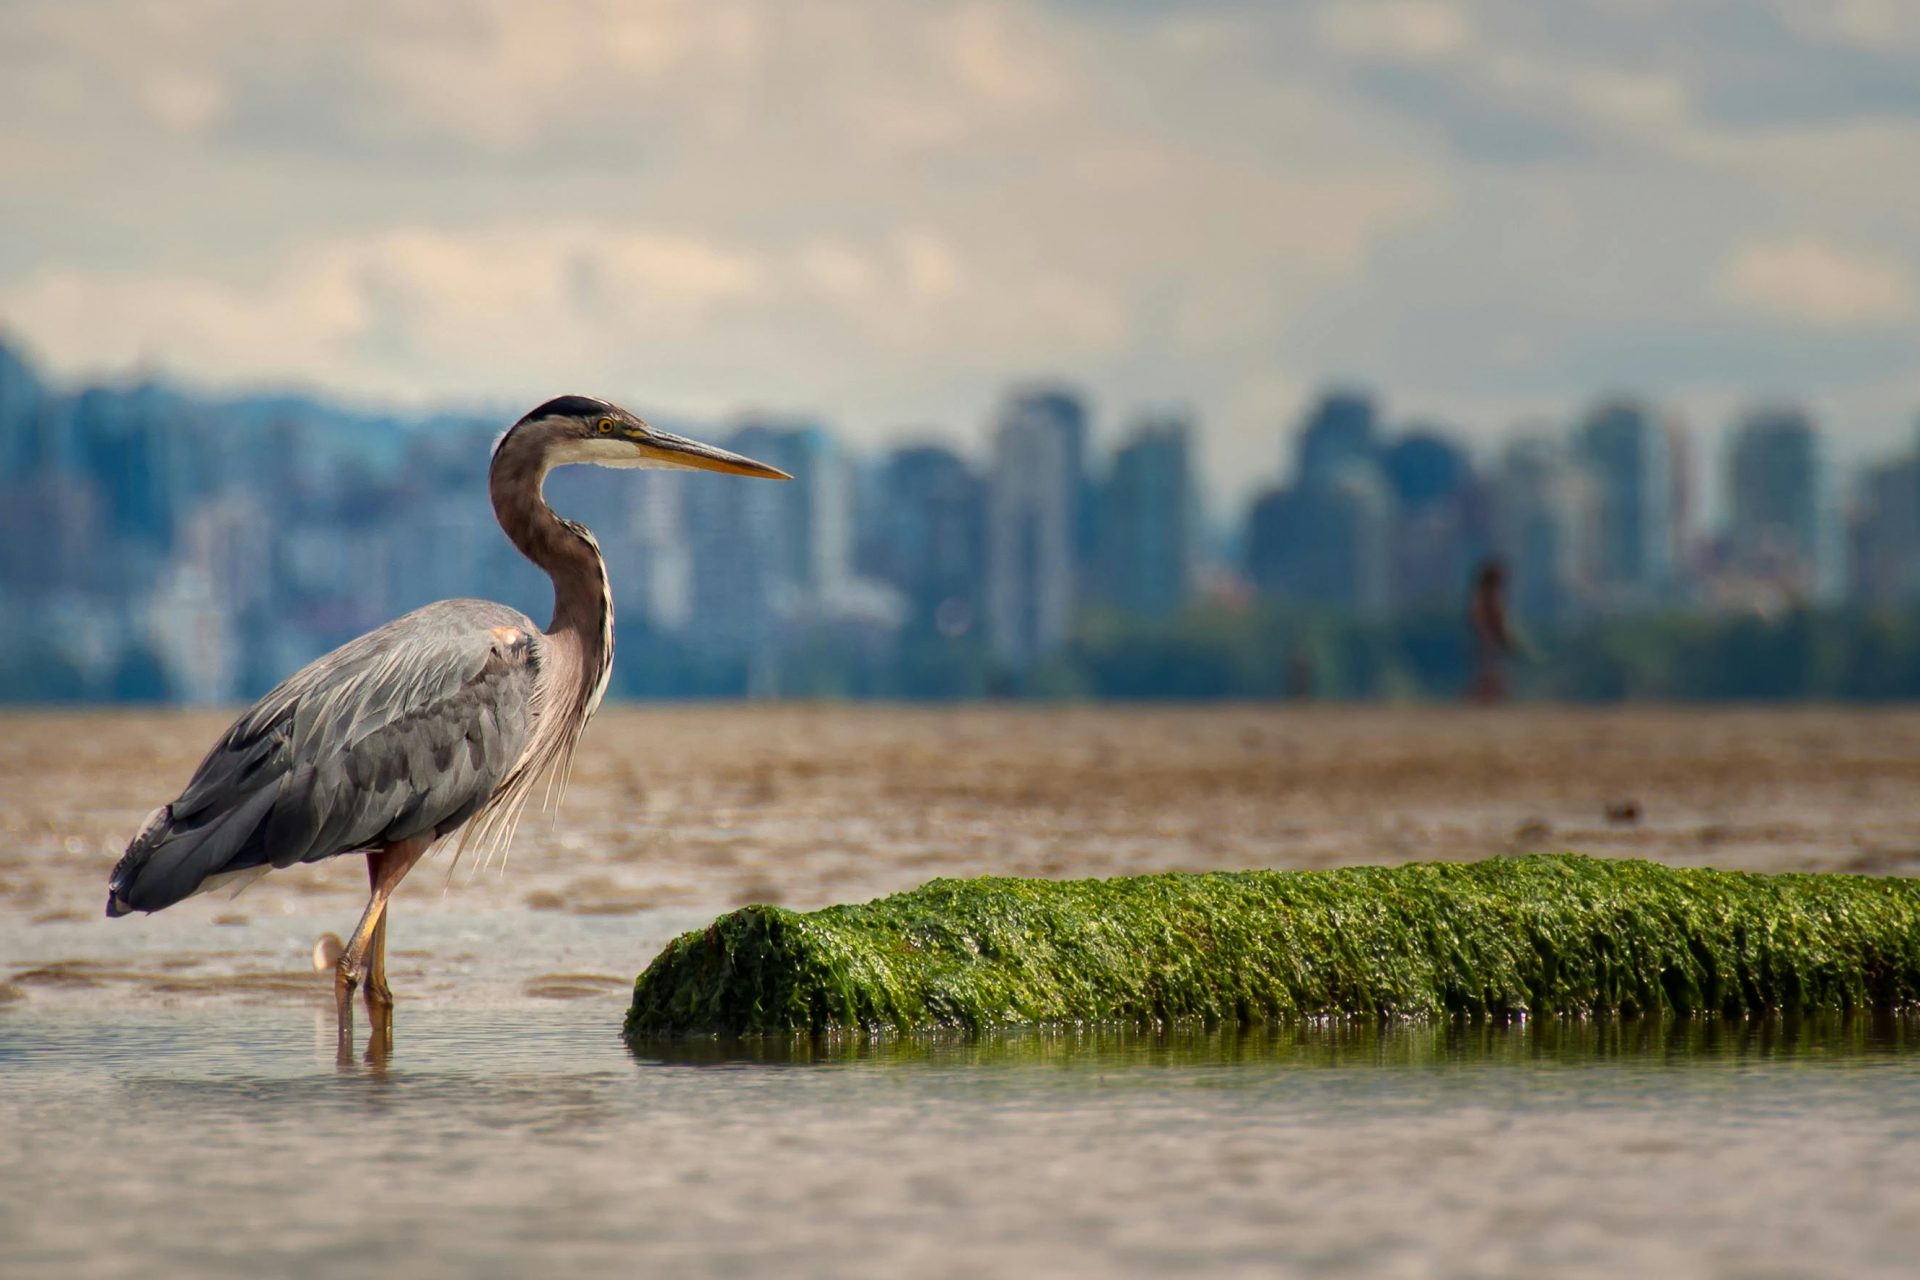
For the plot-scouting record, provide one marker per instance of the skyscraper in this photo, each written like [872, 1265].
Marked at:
[127, 439]
[1064, 409]
[1780, 527]
[1148, 521]
[1884, 569]
[1326, 540]
[1626, 450]
[759, 553]
[1439, 519]
[814, 548]
[1033, 514]
[1058, 408]
[1340, 430]
[1324, 543]
[21, 394]
[638, 519]
[1542, 526]
[929, 536]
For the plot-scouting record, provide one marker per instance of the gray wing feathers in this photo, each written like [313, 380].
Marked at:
[406, 731]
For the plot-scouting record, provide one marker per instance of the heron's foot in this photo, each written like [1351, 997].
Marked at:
[380, 1039]
[379, 997]
[345, 978]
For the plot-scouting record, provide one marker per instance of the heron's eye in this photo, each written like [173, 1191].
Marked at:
[606, 425]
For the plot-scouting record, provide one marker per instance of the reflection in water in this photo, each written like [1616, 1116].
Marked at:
[502, 1143]
[379, 1033]
[1567, 1041]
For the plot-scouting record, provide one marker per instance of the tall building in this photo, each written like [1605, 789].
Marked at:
[21, 433]
[1681, 504]
[54, 538]
[1033, 515]
[637, 518]
[1149, 521]
[1064, 409]
[1439, 520]
[1325, 544]
[1542, 527]
[751, 547]
[1424, 466]
[130, 441]
[928, 536]
[1627, 452]
[814, 549]
[663, 565]
[1327, 540]
[1884, 559]
[1341, 429]
[1780, 528]
[1058, 408]
[772, 564]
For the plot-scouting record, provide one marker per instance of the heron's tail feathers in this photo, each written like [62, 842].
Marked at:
[168, 861]
[127, 870]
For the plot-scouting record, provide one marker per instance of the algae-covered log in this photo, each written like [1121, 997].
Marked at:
[1543, 934]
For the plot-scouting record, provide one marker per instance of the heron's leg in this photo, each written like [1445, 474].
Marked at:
[346, 969]
[378, 994]
[386, 867]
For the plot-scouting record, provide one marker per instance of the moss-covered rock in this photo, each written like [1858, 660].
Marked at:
[1549, 934]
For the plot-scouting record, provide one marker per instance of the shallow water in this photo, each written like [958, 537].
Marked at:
[229, 1141]
[170, 1101]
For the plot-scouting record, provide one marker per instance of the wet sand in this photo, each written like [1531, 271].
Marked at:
[154, 1069]
[676, 813]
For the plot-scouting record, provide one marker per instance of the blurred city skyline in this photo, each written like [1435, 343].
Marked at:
[158, 544]
[1110, 423]
[881, 213]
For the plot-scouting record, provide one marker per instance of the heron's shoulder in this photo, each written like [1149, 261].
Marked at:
[434, 651]
[505, 635]
[461, 617]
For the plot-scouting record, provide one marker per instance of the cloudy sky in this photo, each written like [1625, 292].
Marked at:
[881, 211]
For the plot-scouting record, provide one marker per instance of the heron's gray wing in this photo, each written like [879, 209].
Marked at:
[403, 732]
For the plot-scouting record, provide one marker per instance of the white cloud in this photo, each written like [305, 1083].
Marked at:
[416, 311]
[1396, 30]
[933, 270]
[184, 102]
[506, 78]
[1876, 26]
[400, 311]
[1631, 97]
[1000, 55]
[880, 210]
[877, 210]
[1807, 280]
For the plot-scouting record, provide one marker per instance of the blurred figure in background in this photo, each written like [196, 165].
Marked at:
[1493, 641]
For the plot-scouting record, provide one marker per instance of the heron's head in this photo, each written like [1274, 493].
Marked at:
[583, 429]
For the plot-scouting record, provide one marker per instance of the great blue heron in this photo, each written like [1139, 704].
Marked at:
[443, 719]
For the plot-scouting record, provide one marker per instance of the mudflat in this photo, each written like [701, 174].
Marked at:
[675, 812]
[173, 1102]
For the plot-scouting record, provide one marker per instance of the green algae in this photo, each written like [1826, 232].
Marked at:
[1541, 935]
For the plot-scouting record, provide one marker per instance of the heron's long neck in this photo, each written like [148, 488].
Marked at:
[582, 599]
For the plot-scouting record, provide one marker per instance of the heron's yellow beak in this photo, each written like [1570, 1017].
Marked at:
[665, 449]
